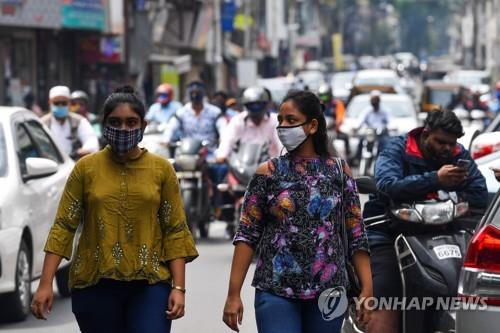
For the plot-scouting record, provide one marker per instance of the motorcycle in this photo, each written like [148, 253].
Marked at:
[429, 250]
[191, 168]
[370, 139]
[152, 140]
[242, 166]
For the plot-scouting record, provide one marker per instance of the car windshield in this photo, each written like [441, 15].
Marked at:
[376, 81]
[472, 78]
[441, 97]
[3, 154]
[395, 108]
[342, 80]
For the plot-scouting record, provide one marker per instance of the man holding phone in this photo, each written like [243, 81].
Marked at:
[415, 167]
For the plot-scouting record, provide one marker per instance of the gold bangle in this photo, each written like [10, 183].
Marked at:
[183, 290]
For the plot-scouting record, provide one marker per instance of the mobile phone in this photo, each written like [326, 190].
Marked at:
[464, 164]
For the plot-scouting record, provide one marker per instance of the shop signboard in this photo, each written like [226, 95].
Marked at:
[30, 13]
[84, 14]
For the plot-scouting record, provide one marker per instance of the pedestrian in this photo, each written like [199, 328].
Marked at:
[72, 132]
[292, 216]
[128, 272]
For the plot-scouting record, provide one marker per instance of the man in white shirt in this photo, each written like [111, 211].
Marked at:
[73, 133]
[254, 125]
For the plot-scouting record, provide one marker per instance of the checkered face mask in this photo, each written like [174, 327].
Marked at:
[122, 141]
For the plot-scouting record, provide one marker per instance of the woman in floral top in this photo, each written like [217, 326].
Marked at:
[128, 272]
[291, 216]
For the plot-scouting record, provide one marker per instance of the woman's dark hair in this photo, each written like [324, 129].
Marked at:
[123, 95]
[445, 120]
[310, 106]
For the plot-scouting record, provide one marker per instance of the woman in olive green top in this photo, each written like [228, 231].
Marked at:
[129, 267]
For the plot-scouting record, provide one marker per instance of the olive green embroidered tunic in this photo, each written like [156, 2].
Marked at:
[132, 218]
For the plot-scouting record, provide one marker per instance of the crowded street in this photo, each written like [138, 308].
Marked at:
[207, 283]
[269, 166]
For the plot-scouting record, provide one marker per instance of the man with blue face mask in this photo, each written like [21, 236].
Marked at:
[197, 119]
[254, 125]
[73, 133]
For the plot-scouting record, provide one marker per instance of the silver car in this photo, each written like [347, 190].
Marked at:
[480, 277]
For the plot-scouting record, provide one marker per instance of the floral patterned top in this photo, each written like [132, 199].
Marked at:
[131, 216]
[292, 218]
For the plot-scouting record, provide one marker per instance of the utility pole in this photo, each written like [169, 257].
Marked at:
[246, 36]
[292, 27]
[217, 57]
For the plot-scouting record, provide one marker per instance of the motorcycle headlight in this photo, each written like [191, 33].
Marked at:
[437, 213]
[371, 135]
[407, 214]
[186, 162]
[461, 209]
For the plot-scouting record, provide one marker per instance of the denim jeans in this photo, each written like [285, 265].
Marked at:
[122, 307]
[276, 314]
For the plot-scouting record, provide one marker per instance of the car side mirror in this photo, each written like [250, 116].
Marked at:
[39, 167]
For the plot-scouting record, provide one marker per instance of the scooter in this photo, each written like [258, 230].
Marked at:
[191, 168]
[243, 163]
[429, 251]
[369, 150]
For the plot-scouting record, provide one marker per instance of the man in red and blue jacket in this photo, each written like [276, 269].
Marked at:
[415, 167]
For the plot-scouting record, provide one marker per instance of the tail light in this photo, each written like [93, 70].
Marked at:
[480, 275]
[483, 149]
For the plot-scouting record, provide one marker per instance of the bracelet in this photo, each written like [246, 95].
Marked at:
[183, 290]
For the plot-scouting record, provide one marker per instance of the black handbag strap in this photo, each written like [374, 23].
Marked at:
[342, 208]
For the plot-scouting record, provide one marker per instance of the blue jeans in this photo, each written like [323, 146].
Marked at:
[122, 307]
[276, 314]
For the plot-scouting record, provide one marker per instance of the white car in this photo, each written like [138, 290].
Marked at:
[402, 117]
[33, 172]
[378, 77]
[341, 84]
[476, 81]
[278, 86]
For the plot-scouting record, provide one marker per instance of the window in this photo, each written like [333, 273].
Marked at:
[43, 142]
[26, 147]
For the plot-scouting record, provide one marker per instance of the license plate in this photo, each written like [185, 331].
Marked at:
[447, 252]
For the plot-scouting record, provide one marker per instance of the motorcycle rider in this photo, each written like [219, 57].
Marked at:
[197, 119]
[72, 132]
[414, 167]
[254, 125]
[79, 104]
[165, 106]
[374, 117]
[201, 121]
[335, 109]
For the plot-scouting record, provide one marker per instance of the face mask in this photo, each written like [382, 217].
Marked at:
[256, 110]
[60, 111]
[196, 96]
[292, 137]
[163, 98]
[122, 141]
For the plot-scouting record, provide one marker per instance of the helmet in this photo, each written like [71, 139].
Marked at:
[80, 94]
[324, 89]
[255, 95]
[162, 90]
